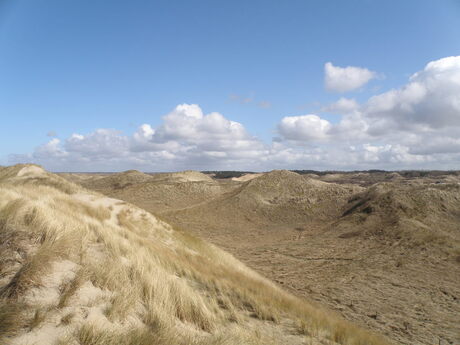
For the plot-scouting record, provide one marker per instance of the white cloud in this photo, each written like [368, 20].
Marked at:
[187, 139]
[304, 128]
[100, 144]
[188, 126]
[343, 105]
[344, 79]
[144, 133]
[339, 156]
[414, 126]
[431, 99]
[50, 149]
[436, 145]
[427, 106]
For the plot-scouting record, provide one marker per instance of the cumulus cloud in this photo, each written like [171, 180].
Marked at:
[102, 143]
[426, 105]
[417, 124]
[431, 99]
[343, 105]
[144, 134]
[304, 128]
[211, 135]
[187, 122]
[345, 79]
[414, 126]
[50, 149]
[346, 157]
[187, 138]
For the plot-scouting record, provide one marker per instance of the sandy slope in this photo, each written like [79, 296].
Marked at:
[160, 192]
[77, 267]
[382, 248]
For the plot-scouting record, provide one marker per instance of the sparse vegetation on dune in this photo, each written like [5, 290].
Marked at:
[160, 192]
[372, 245]
[412, 215]
[278, 199]
[90, 270]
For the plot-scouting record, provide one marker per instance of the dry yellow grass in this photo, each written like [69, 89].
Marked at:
[98, 276]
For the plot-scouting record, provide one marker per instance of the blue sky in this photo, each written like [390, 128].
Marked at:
[79, 66]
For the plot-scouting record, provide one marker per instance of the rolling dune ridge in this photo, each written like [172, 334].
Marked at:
[78, 267]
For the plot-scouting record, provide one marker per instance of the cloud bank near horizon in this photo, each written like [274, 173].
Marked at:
[416, 126]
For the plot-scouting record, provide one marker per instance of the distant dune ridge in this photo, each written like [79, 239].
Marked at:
[381, 248]
[115, 180]
[157, 192]
[263, 205]
[77, 267]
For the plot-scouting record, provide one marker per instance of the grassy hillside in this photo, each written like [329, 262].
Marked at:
[381, 249]
[158, 192]
[77, 267]
[275, 201]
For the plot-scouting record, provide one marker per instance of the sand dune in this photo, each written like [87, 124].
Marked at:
[78, 267]
[382, 249]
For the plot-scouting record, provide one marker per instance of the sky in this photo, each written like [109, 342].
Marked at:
[96, 85]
